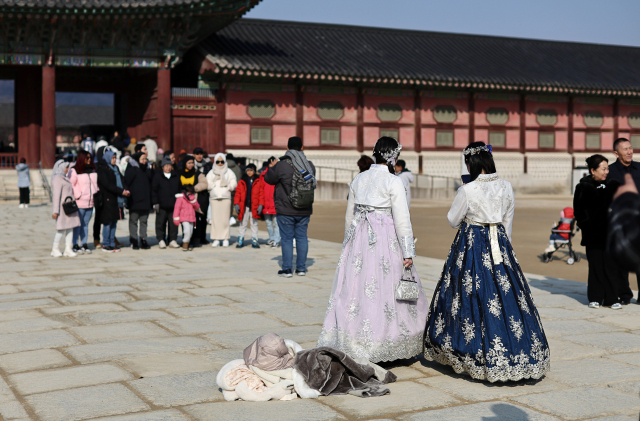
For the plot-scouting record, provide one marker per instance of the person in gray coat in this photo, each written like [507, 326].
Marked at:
[24, 182]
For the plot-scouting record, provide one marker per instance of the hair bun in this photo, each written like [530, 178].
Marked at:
[587, 160]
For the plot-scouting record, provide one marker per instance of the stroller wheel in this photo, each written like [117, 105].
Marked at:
[570, 261]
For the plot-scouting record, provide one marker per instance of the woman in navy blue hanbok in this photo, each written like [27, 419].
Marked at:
[482, 318]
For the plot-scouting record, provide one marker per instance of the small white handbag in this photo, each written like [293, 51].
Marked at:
[407, 289]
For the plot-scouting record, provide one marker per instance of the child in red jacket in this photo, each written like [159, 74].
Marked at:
[564, 224]
[267, 208]
[246, 203]
[185, 213]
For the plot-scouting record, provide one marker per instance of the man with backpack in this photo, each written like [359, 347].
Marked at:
[295, 181]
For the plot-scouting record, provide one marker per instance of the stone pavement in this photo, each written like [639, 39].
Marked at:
[140, 335]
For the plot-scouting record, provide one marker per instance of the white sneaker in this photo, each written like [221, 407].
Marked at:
[162, 244]
[26, 206]
[594, 304]
[232, 221]
[616, 306]
[225, 243]
[68, 252]
[174, 245]
[56, 252]
[21, 206]
[550, 249]
[216, 243]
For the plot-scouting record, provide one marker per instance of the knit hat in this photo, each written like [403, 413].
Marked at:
[251, 166]
[166, 161]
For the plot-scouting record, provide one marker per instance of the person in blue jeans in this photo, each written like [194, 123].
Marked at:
[293, 222]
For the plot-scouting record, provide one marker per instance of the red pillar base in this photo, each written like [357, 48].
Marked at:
[48, 130]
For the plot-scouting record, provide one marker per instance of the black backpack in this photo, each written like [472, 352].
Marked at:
[302, 191]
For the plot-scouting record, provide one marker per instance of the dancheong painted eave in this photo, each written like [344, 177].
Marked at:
[340, 54]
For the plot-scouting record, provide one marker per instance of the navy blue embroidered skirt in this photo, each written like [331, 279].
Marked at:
[482, 318]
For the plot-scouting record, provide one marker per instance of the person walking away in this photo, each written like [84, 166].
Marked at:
[84, 181]
[137, 178]
[24, 183]
[221, 182]
[152, 149]
[164, 188]
[114, 195]
[61, 190]
[482, 319]
[247, 200]
[267, 206]
[87, 144]
[407, 178]
[117, 142]
[623, 150]
[293, 220]
[203, 165]
[591, 202]
[184, 213]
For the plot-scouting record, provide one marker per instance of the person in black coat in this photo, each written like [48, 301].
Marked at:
[591, 203]
[164, 188]
[138, 178]
[114, 195]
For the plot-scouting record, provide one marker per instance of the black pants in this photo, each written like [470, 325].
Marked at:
[96, 225]
[164, 217]
[624, 290]
[24, 195]
[605, 278]
[200, 233]
[135, 218]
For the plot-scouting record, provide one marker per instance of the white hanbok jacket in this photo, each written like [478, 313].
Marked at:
[378, 189]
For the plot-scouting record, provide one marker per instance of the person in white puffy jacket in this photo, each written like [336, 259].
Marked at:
[221, 182]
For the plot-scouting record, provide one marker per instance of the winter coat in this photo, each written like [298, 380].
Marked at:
[202, 188]
[23, 176]
[61, 189]
[138, 181]
[152, 150]
[248, 190]
[280, 176]
[185, 209]
[84, 187]
[617, 170]
[624, 232]
[267, 192]
[164, 190]
[233, 166]
[590, 205]
[110, 191]
[215, 191]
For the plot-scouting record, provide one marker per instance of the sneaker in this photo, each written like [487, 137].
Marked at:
[616, 306]
[216, 243]
[240, 243]
[26, 206]
[117, 249]
[594, 304]
[285, 273]
[56, 252]
[77, 249]
[162, 244]
[144, 245]
[301, 272]
[225, 243]
[174, 244]
[270, 242]
[85, 249]
[275, 245]
[21, 206]
[108, 249]
[626, 301]
[96, 244]
[550, 249]
[254, 243]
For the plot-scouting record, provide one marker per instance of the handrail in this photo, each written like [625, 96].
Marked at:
[45, 182]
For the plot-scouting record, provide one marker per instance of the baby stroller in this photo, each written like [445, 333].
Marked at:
[561, 235]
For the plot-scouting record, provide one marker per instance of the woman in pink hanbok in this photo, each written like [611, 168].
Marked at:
[364, 319]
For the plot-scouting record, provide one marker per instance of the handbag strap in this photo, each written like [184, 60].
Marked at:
[408, 271]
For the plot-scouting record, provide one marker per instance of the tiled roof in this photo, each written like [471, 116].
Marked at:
[130, 6]
[362, 54]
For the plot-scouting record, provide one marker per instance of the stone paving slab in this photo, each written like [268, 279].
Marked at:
[166, 415]
[179, 389]
[33, 360]
[494, 411]
[307, 410]
[119, 331]
[166, 364]
[17, 342]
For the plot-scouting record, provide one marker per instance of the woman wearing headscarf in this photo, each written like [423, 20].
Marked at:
[189, 174]
[221, 182]
[137, 178]
[61, 190]
[84, 180]
[114, 194]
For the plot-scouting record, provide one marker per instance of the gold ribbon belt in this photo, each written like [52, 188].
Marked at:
[493, 239]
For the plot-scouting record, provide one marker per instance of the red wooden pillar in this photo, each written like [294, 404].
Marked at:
[222, 120]
[164, 108]
[299, 112]
[616, 118]
[48, 130]
[28, 94]
[360, 117]
[472, 118]
[570, 129]
[417, 109]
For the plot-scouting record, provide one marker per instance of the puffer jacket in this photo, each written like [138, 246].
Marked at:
[243, 190]
[23, 176]
[185, 209]
[84, 187]
[267, 192]
[215, 191]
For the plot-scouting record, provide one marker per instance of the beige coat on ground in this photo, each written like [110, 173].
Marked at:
[61, 189]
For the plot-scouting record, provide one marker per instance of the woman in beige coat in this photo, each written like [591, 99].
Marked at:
[61, 189]
[221, 181]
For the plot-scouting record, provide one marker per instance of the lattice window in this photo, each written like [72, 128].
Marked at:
[261, 109]
[635, 141]
[497, 116]
[593, 141]
[389, 112]
[546, 140]
[445, 114]
[261, 135]
[498, 139]
[330, 110]
[393, 133]
[634, 120]
[593, 119]
[547, 117]
[330, 136]
[444, 138]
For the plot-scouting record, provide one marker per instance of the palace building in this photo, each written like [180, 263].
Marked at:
[194, 74]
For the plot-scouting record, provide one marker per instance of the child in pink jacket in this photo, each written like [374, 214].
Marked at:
[185, 213]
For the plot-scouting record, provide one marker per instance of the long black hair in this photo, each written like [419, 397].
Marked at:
[385, 145]
[479, 161]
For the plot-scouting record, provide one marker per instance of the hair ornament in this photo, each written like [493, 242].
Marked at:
[391, 156]
[473, 151]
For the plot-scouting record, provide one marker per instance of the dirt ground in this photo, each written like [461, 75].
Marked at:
[531, 228]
